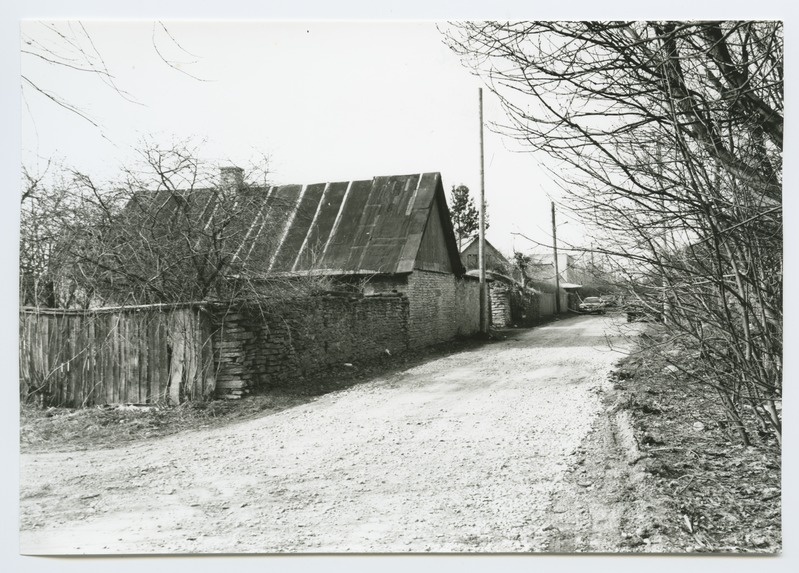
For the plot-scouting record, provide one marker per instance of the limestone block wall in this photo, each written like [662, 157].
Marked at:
[442, 306]
[263, 347]
[259, 347]
[500, 297]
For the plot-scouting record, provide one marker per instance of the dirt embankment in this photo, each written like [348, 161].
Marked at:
[721, 496]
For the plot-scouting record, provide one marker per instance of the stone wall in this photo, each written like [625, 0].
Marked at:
[265, 347]
[513, 306]
[259, 348]
[500, 297]
[442, 307]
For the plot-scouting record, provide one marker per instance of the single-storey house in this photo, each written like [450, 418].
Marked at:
[389, 240]
[387, 234]
[541, 268]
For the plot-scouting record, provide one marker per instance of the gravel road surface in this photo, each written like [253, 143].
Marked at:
[480, 451]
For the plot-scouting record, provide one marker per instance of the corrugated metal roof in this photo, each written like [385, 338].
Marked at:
[360, 227]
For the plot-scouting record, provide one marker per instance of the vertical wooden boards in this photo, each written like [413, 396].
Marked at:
[193, 377]
[47, 377]
[134, 350]
[122, 388]
[193, 354]
[152, 359]
[176, 363]
[143, 341]
[134, 359]
[108, 364]
[433, 254]
[87, 372]
[81, 358]
[24, 351]
[162, 374]
[206, 336]
[71, 360]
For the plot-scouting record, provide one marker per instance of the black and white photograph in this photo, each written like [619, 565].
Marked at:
[441, 286]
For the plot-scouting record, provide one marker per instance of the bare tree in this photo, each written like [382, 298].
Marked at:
[171, 230]
[58, 214]
[68, 45]
[672, 133]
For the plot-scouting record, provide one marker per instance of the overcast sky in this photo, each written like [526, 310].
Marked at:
[325, 101]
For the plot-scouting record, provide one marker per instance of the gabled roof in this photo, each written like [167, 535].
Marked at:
[491, 250]
[358, 227]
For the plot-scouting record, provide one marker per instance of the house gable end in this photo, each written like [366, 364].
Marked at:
[431, 224]
[495, 260]
[433, 255]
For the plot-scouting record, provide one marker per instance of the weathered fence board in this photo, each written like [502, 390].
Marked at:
[546, 304]
[113, 356]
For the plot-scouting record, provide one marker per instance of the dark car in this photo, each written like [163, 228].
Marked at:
[592, 305]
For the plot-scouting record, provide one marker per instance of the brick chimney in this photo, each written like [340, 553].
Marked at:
[231, 177]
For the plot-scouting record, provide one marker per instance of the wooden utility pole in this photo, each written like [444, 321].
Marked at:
[482, 231]
[555, 258]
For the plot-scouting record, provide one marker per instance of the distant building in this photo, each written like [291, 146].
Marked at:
[496, 262]
[541, 268]
[516, 299]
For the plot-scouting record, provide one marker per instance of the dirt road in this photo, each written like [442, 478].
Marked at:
[504, 448]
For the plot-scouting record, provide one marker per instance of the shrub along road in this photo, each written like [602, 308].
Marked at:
[504, 448]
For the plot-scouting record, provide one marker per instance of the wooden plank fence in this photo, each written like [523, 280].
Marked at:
[547, 305]
[546, 302]
[129, 355]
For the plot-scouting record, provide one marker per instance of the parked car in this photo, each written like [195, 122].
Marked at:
[609, 300]
[592, 304]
